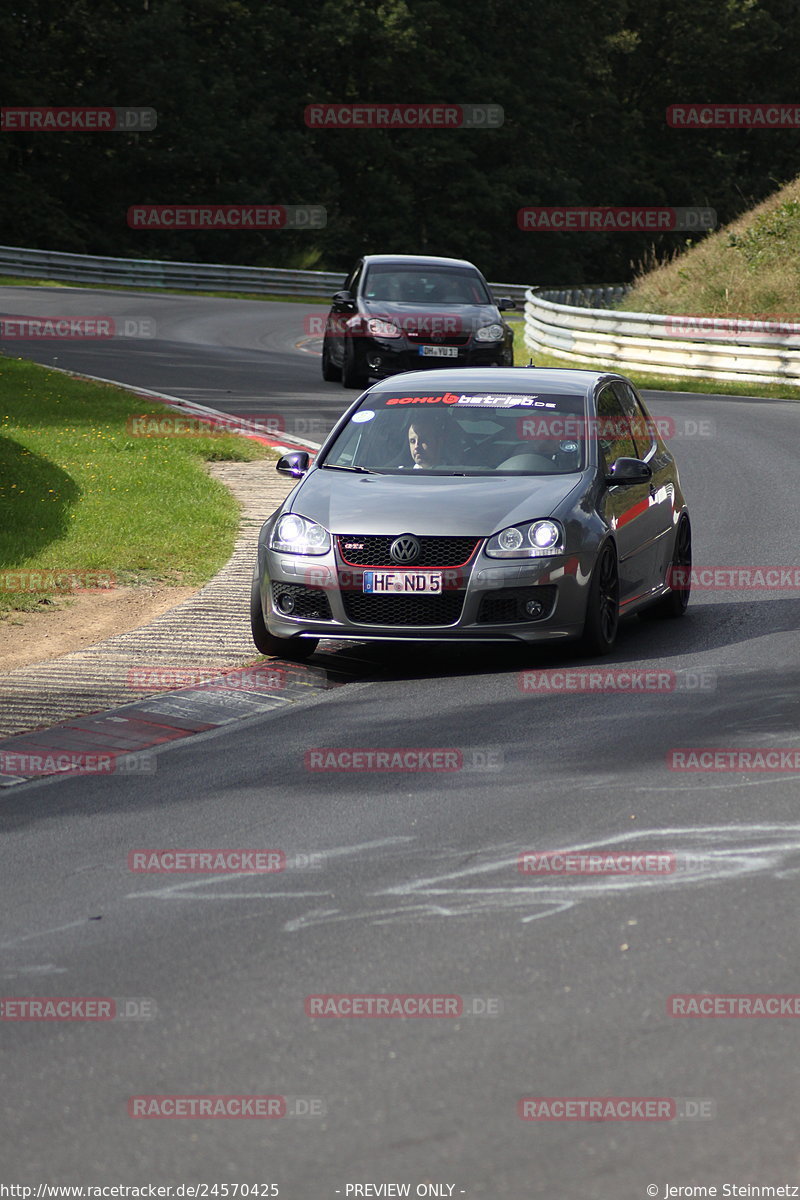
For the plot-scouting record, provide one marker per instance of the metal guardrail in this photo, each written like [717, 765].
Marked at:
[657, 343]
[206, 277]
[192, 277]
[154, 273]
[590, 297]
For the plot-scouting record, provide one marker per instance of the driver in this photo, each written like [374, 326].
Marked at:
[425, 441]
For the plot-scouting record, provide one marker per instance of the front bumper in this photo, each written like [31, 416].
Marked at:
[383, 358]
[488, 600]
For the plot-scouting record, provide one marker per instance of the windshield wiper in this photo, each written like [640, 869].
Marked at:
[360, 470]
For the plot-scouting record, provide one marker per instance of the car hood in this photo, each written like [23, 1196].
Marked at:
[447, 506]
[446, 318]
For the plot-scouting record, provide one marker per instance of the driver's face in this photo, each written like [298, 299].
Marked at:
[424, 446]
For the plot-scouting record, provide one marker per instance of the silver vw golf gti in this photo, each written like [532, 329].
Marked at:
[512, 505]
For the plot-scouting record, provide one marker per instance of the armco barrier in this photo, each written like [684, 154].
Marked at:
[646, 342]
[19, 262]
[22, 263]
[152, 273]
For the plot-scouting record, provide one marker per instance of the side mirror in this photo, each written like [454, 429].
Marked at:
[295, 464]
[342, 298]
[504, 304]
[626, 471]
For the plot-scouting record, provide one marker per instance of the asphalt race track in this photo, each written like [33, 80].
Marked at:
[408, 883]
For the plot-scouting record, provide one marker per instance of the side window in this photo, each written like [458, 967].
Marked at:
[613, 428]
[642, 433]
[353, 279]
[347, 447]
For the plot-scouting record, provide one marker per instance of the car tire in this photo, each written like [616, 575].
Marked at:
[675, 603]
[351, 376]
[602, 606]
[330, 372]
[293, 649]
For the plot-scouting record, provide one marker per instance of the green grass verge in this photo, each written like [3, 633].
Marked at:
[12, 281]
[655, 383]
[79, 492]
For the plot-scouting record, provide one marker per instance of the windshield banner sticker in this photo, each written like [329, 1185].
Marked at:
[476, 400]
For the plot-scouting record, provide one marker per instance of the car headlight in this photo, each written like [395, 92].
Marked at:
[382, 329]
[489, 333]
[297, 535]
[534, 539]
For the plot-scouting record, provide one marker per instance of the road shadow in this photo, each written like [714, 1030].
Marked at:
[704, 629]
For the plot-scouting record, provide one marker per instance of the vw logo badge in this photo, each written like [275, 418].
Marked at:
[404, 549]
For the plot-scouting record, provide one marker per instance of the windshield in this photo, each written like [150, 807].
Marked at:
[437, 285]
[475, 433]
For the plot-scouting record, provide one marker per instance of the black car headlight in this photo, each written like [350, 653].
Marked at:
[380, 327]
[489, 333]
[534, 539]
[293, 534]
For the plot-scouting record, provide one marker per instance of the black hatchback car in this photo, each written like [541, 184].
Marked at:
[404, 312]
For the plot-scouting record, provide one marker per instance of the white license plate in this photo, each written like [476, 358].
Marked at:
[439, 351]
[429, 582]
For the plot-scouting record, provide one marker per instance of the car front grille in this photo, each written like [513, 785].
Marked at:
[507, 605]
[368, 550]
[369, 609]
[311, 603]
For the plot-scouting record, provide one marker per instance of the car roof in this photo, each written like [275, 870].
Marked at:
[424, 260]
[566, 380]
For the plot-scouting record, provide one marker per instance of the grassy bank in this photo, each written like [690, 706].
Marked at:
[79, 492]
[749, 268]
